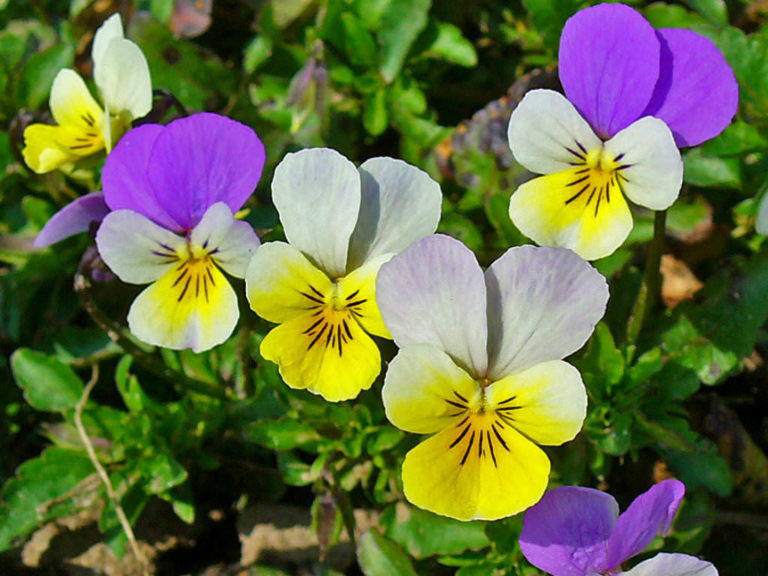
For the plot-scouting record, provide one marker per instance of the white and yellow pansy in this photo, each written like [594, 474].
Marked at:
[342, 223]
[83, 127]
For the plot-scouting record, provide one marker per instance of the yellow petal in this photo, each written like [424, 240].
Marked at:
[477, 469]
[326, 352]
[547, 403]
[72, 104]
[573, 209]
[44, 148]
[358, 289]
[190, 306]
[282, 284]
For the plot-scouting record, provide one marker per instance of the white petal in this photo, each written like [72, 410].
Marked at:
[231, 242]
[543, 304]
[122, 76]
[135, 248]
[400, 204]
[317, 193]
[673, 565]
[111, 28]
[547, 134]
[761, 222]
[655, 172]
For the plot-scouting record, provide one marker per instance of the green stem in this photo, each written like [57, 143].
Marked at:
[650, 286]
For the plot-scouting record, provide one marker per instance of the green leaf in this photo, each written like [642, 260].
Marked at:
[38, 73]
[711, 171]
[662, 15]
[715, 11]
[36, 494]
[400, 25]
[696, 469]
[548, 17]
[423, 534]
[257, 52]
[378, 556]
[48, 384]
[164, 472]
[286, 11]
[603, 363]
[451, 45]
[283, 434]
[162, 10]
[358, 42]
[375, 118]
[737, 139]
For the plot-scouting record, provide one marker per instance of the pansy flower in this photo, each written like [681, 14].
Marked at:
[761, 220]
[342, 223]
[83, 127]
[633, 95]
[480, 369]
[173, 191]
[575, 531]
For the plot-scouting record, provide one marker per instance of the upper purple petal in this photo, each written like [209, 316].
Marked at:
[697, 94]
[565, 534]
[203, 159]
[74, 218]
[649, 515]
[609, 64]
[124, 177]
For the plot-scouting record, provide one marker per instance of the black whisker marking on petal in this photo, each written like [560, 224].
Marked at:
[591, 194]
[599, 197]
[508, 408]
[490, 444]
[80, 146]
[480, 446]
[579, 156]
[164, 255]
[460, 397]
[622, 167]
[619, 157]
[460, 424]
[469, 447]
[308, 330]
[461, 435]
[210, 275]
[205, 244]
[506, 418]
[583, 170]
[346, 328]
[87, 118]
[579, 193]
[338, 336]
[317, 337]
[507, 401]
[357, 302]
[355, 293]
[205, 287]
[184, 291]
[197, 285]
[457, 404]
[184, 273]
[329, 336]
[355, 313]
[501, 440]
[311, 297]
[316, 291]
[581, 147]
[578, 181]
[459, 413]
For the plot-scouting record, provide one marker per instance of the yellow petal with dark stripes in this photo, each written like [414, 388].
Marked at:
[477, 469]
[326, 352]
[190, 306]
[358, 290]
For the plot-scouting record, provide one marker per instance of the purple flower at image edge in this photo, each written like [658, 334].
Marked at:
[576, 531]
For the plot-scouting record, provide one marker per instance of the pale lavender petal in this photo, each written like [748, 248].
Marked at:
[74, 218]
[697, 94]
[543, 304]
[565, 534]
[609, 64]
[203, 159]
[124, 177]
[673, 565]
[649, 515]
[434, 293]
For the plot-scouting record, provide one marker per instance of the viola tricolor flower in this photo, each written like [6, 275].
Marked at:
[761, 221]
[575, 531]
[342, 223]
[173, 191]
[480, 368]
[632, 96]
[121, 74]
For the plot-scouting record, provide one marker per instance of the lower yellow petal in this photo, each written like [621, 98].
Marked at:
[478, 469]
[47, 148]
[190, 306]
[359, 290]
[326, 352]
[590, 216]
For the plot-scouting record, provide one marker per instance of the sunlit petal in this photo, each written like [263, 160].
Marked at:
[673, 565]
[358, 289]
[72, 104]
[47, 148]
[123, 79]
[110, 29]
[230, 242]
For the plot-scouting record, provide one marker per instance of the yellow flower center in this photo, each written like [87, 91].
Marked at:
[598, 176]
[333, 312]
[195, 272]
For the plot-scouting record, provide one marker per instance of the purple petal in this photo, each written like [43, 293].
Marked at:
[650, 514]
[697, 94]
[565, 534]
[73, 219]
[434, 293]
[203, 159]
[609, 64]
[124, 177]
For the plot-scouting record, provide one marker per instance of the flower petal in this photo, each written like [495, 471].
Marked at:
[124, 177]
[609, 65]
[548, 402]
[176, 315]
[649, 515]
[697, 94]
[457, 474]
[359, 290]
[423, 389]
[325, 359]
[230, 242]
[317, 193]
[566, 532]
[553, 212]
[203, 159]
[74, 218]
[400, 204]
[47, 148]
[547, 134]
[543, 304]
[673, 565]
[434, 293]
[761, 220]
[72, 104]
[654, 170]
[109, 30]
[122, 76]
[282, 284]
[137, 249]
